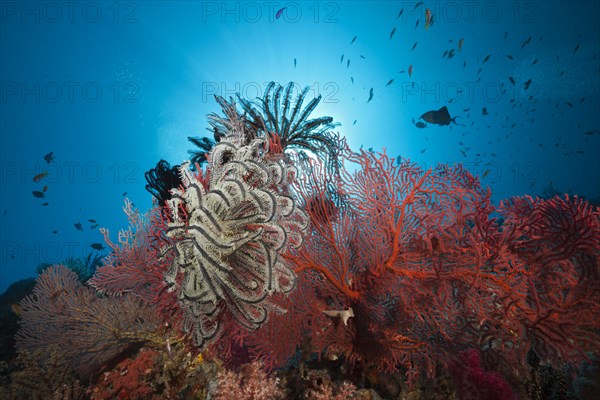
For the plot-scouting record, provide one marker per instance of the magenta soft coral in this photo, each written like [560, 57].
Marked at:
[472, 382]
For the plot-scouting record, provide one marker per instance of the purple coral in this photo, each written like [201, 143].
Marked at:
[474, 383]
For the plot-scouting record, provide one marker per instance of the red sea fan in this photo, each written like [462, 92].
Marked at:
[136, 264]
[556, 243]
[426, 269]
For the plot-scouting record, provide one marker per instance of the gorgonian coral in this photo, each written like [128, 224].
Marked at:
[228, 231]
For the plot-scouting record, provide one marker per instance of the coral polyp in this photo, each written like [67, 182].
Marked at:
[228, 232]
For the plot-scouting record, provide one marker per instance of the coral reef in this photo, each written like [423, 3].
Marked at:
[354, 274]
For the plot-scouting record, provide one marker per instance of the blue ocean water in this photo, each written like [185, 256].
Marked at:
[109, 88]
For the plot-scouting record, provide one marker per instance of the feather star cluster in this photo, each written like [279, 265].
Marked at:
[228, 233]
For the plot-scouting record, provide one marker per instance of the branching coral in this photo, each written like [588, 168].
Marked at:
[85, 329]
[251, 383]
[228, 232]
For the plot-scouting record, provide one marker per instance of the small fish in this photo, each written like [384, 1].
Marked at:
[414, 45]
[486, 58]
[526, 42]
[92, 221]
[361, 56]
[352, 80]
[576, 48]
[16, 308]
[484, 111]
[392, 32]
[49, 157]
[461, 41]
[342, 59]
[370, 95]
[417, 24]
[354, 123]
[55, 232]
[124, 194]
[97, 246]
[509, 57]
[410, 70]
[418, 4]
[512, 80]
[278, 14]
[45, 204]
[421, 125]
[427, 18]
[353, 39]
[40, 176]
[348, 63]
[589, 133]
[534, 62]
[389, 82]
[485, 174]
[38, 194]
[94, 226]
[569, 104]
[505, 34]
[400, 13]
[78, 226]
[423, 151]
[527, 83]
[294, 63]
[45, 189]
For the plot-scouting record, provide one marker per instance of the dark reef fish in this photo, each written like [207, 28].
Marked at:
[278, 14]
[49, 157]
[97, 246]
[38, 194]
[370, 95]
[421, 125]
[353, 39]
[440, 117]
[78, 226]
[392, 32]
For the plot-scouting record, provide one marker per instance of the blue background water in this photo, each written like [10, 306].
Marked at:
[112, 87]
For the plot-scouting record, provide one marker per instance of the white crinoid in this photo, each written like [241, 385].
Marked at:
[228, 238]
